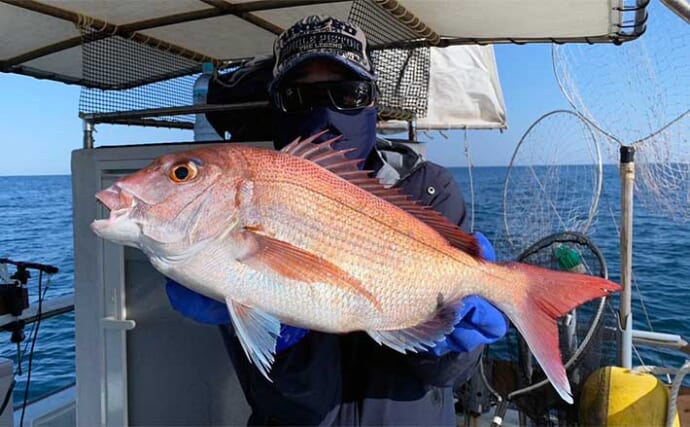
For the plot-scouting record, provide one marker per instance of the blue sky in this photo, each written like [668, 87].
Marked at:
[40, 123]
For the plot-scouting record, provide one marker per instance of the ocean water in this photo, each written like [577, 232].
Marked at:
[35, 225]
[661, 265]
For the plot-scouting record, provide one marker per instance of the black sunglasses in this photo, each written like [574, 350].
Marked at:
[341, 95]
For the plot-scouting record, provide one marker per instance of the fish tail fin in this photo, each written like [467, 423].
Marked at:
[548, 295]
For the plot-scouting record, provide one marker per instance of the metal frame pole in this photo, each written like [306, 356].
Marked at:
[679, 7]
[88, 134]
[627, 174]
[412, 130]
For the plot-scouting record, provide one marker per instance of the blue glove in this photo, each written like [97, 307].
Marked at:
[195, 306]
[206, 310]
[478, 322]
[485, 247]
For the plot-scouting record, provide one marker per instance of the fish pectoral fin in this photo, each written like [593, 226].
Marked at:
[286, 260]
[257, 332]
[421, 337]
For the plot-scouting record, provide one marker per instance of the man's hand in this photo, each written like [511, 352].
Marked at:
[479, 322]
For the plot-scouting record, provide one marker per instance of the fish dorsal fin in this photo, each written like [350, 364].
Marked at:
[324, 155]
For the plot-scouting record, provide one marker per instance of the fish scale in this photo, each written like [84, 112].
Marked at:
[303, 237]
[358, 243]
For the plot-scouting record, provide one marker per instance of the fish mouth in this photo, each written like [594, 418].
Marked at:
[119, 202]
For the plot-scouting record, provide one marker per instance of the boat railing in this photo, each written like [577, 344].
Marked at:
[57, 403]
[156, 117]
[50, 308]
[660, 339]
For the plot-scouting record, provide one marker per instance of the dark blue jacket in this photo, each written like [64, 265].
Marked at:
[349, 379]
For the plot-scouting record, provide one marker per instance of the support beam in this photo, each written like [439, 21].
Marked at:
[50, 308]
[124, 116]
[679, 7]
[103, 29]
[247, 16]
[409, 20]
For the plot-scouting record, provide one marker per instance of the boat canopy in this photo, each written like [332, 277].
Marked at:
[44, 38]
[125, 44]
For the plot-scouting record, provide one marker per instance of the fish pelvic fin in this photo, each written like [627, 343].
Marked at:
[423, 336]
[276, 257]
[550, 294]
[335, 161]
[257, 332]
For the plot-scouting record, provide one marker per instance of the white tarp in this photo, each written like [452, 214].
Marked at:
[464, 91]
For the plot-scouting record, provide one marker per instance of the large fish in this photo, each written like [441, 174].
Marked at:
[305, 238]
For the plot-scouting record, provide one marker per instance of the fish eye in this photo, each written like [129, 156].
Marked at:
[183, 172]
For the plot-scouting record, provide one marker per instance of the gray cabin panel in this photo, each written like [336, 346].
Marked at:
[167, 370]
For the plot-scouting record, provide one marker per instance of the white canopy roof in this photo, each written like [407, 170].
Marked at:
[44, 38]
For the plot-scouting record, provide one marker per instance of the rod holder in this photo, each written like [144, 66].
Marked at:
[627, 174]
[88, 134]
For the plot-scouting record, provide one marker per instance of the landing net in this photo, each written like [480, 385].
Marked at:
[639, 95]
[553, 182]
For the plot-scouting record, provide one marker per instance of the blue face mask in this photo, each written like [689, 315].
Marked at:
[358, 128]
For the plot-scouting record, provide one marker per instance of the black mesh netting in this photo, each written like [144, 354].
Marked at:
[403, 74]
[123, 75]
[403, 79]
[588, 337]
[380, 26]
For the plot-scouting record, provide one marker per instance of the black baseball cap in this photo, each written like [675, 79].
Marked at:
[324, 37]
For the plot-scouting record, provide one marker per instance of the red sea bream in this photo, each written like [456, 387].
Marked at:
[305, 238]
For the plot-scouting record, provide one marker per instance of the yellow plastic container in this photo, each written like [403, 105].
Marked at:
[614, 396]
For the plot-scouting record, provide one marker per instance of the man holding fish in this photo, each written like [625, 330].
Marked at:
[323, 79]
[349, 303]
